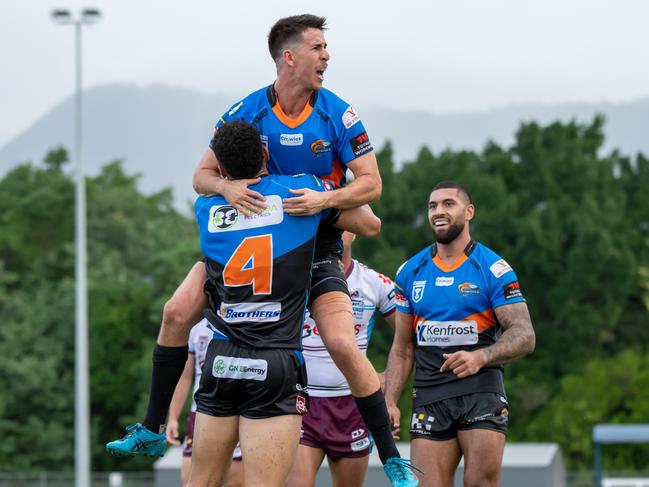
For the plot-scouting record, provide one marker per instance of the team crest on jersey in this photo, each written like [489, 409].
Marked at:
[418, 290]
[300, 404]
[202, 342]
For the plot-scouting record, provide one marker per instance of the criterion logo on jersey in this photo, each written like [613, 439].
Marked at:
[247, 312]
[226, 218]
[447, 333]
[239, 368]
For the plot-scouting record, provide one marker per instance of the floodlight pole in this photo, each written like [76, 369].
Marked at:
[82, 397]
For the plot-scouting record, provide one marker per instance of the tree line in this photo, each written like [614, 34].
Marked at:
[572, 221]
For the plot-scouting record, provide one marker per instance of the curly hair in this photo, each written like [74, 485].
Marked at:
[237, 146]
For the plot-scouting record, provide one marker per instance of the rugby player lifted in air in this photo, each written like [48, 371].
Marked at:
[460, 317]
[253, 388]
[305, 129]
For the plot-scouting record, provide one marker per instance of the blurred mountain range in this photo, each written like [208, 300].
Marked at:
[161, 131]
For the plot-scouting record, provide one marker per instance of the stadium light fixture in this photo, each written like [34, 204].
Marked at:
[81, 382]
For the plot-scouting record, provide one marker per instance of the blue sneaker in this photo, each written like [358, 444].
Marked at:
[138, 441]
[399, 471]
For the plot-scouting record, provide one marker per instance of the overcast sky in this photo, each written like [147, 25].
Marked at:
[432, 55]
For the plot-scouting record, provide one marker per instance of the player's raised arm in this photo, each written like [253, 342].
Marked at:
[208, 180]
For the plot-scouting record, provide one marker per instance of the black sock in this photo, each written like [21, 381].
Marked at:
[168, 365]
[376, 418]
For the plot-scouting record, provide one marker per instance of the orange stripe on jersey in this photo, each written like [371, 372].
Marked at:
[415, 321]
[337, 174]
[449, 268]
[485, 319]
[292, 122]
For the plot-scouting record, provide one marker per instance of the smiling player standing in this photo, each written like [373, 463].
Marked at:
[460, 316]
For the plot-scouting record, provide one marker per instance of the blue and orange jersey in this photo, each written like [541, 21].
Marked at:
[259, 265]
[453, 308]
[326, 136]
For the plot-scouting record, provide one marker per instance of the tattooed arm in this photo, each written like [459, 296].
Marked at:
[517, 340]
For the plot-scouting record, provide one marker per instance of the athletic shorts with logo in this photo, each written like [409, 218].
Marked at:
[188, 442]
[254, 383]
[442, 420]
[326, 276]
[334, 425]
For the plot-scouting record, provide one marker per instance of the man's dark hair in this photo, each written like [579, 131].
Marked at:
[237, 146]
[288, 29]
[453, 185]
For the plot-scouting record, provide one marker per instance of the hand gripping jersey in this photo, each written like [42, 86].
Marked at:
[199, 337]
[453, 309]
[321, 141]
[369, 291]
[258, 266]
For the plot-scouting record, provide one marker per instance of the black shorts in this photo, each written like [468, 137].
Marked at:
[252, 382]
[326, 276]
[442, 420]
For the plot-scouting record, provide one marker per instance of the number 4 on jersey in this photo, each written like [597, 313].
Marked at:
[251, 264]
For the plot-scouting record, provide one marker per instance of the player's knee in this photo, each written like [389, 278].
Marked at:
[481, 479]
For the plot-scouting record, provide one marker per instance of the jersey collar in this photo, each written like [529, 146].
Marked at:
[470, 247]
[271, 94]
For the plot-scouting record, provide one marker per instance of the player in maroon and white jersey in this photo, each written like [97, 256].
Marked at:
[333, 426]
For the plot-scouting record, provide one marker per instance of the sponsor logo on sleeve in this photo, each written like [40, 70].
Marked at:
[418, 290]
[444, 281]
[401, 300]
[447, 333]
[250, 312]
[239, 368]
[235, 108]
[361, 144]
[512, 290]
[468, 288]
[226, 218]
[499, 268]
[320, 147]
[291, 139]
[350, 117]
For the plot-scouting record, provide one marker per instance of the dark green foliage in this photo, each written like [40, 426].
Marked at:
[139, 248]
